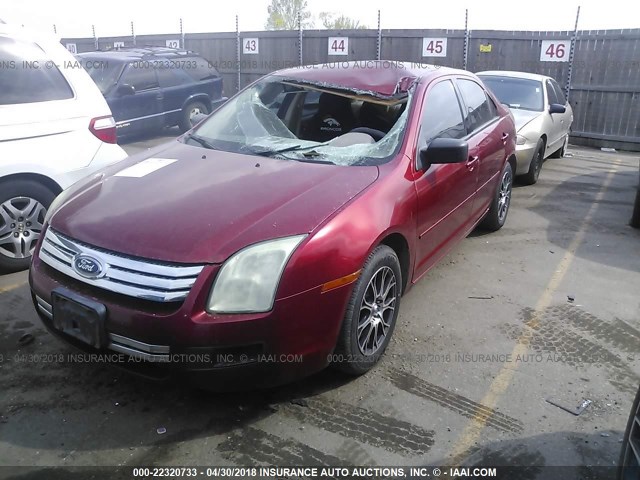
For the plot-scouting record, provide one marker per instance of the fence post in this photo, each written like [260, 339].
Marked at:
[95, 39]
[466, 38]
[133, 34]
[181, 35]
[379, 45]
[572, 49]
[238, 51]
[300, 38]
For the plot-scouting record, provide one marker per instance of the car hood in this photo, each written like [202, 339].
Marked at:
[523, 117]
[206, 204]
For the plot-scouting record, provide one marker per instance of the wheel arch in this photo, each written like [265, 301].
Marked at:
[197, 97]
[398, 243]
[36, 177]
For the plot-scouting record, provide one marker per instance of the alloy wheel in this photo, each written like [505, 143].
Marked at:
[504, 196]
[21, 223]
[376, 311]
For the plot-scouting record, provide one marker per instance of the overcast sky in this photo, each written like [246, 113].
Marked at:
[74, 18]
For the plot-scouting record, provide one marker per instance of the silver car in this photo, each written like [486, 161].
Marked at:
[542, 114]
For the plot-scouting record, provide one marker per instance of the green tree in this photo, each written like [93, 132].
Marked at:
[283, 15]
[341, 22]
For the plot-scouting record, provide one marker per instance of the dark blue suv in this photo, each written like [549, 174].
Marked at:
[153, 87]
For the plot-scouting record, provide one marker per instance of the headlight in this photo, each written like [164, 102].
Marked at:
[248, 281]
[520, 140]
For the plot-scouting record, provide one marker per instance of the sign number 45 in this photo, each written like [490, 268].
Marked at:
[434, 47]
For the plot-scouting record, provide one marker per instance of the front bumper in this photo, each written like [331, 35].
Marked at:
[172, 340]
[524, 156]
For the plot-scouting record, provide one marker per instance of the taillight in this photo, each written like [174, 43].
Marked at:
[104, 128]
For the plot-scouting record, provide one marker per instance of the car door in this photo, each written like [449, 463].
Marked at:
[567, 116]
[444, 192]
[138, 109]
[176, 88]
[555, 120]
[486, 139]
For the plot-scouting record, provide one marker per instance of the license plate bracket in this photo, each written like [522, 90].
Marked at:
[79, 317]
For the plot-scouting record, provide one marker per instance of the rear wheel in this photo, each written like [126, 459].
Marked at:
[497, 214]
[23, 205]
[190, 111]
[371, 314]
[532, 175]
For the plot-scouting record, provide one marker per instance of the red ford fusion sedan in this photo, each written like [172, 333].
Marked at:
[279, 235]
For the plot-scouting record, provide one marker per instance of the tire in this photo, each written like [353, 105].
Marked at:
[356, 354]
[189, 111]
[497, 214]
[628, 467]
[532, 175]
[23, 205]
[561, 151]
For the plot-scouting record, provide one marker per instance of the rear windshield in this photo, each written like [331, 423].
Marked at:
[519, 93]
[104, 73]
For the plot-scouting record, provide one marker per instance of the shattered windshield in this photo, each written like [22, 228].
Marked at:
[281, 118]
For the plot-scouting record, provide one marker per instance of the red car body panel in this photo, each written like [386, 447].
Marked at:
[210, 204]
[233, 198]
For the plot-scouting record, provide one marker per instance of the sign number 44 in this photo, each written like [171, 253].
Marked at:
[338, 45]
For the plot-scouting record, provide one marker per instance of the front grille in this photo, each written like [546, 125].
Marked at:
[138, 278]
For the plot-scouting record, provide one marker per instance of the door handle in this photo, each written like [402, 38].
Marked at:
[505, 136]
[471, 163]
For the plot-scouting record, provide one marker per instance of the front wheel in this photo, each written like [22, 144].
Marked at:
[23, 205]
[497, 214]
[371, 313]
[535, 167]
[190, 111]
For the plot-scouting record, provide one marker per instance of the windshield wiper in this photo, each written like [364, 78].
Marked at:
[202, 141]
[268, 153]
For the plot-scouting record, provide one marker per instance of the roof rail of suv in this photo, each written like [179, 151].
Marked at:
[149, 51]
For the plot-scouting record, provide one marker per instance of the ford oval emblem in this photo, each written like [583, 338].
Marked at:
[88, 266]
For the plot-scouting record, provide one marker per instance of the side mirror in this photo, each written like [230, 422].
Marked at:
[126, 89]
[443, 150]
[557, 108]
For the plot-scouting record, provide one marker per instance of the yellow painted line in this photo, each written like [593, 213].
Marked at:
[473, 430]
[8, 288]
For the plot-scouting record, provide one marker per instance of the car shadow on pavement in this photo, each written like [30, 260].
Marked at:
[578, 205]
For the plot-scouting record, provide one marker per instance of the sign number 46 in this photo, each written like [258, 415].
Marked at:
[554, 51]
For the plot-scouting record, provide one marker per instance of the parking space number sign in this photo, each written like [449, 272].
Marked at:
[434, 47]
[338, 45]
[250, 46]
[555, 50]
[173, 43]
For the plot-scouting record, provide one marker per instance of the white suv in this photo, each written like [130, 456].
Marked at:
[55, 128]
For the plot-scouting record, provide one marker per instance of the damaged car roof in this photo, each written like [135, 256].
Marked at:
[380, 78]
